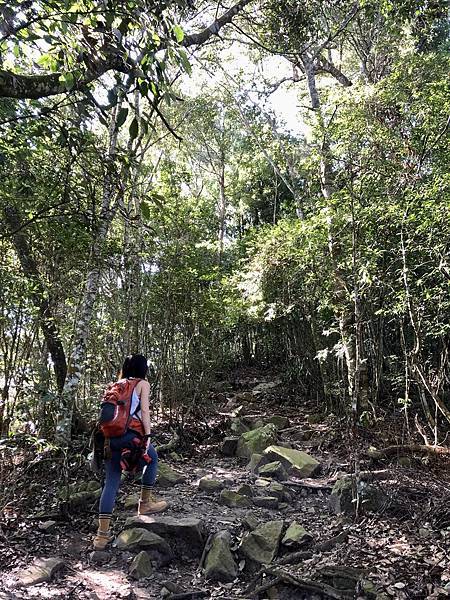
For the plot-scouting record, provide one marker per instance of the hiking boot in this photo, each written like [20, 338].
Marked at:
[151, 505]
[102, 539]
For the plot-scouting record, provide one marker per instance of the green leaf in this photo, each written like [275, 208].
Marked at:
[121, 117]
[179, 33]
[67, 79]
[134, 129]
[145, 210]
[185, 61]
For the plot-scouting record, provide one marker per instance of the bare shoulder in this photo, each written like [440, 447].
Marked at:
[142, 386]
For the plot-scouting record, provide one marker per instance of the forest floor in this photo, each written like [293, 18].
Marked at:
[399, 549]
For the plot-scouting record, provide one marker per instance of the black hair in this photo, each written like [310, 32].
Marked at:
[135, 365]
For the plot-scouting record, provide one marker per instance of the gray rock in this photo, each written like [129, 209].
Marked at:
[245, 490]
[279, 421]
[273, 469]
[262, 483]
[138, 538]
[186, 534]
[41, 570]
[264, 386]
[238, 427]
[141, 566]
[229, 446]
[256, 441]
[99, 557]
[255, 461]
[296, 462]
[278, 490]
[219, 563]
[234, 500]
[167, 477]
[296, 535]
[250, 521]
[84, 498]
[261, 544]
[266, 501]
[341, 499]
[210, 485]
[47, 526]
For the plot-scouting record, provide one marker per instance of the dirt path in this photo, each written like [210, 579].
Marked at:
[399, 551]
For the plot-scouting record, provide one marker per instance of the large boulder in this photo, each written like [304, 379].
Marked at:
[234, 500]
[219, 562]
[296, 462]
[167, 477]
[261, 544]
[186, 535]
[256, 441]
[138, 538]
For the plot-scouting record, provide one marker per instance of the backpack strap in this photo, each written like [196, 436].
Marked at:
[107, 454]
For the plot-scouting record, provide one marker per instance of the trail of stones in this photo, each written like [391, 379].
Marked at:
[248, 499]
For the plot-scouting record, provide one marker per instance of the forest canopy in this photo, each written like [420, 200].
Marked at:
[219, 185]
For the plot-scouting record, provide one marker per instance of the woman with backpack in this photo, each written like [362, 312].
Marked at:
[125, 411]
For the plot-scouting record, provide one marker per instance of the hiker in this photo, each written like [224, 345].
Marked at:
[132, 449]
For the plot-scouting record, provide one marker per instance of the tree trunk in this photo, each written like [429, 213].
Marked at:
[222, 207]
[39, 297]
[345, 315]
[85, 313]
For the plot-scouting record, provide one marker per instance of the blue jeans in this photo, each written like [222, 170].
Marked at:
[113, 471]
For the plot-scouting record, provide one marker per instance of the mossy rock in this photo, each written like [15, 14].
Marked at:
[296, 536]
[261, 544]
[256, 441]
[141, 567]
[219, 563]
[296, 462]
[234, 500]
[168, 477]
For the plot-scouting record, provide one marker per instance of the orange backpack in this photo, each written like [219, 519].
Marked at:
[115, 410]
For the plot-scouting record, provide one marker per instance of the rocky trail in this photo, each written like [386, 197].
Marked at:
[264, 503]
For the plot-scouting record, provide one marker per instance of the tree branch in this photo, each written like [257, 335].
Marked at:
[19, 86]
[325, 65]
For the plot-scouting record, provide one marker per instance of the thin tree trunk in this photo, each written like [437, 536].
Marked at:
[222, 207]
[85, 313]
[346, 315]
